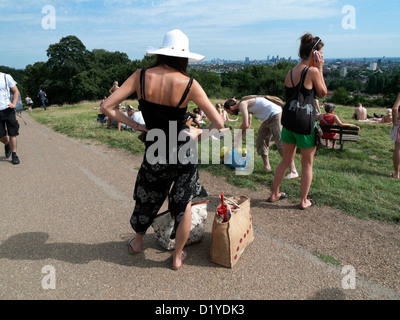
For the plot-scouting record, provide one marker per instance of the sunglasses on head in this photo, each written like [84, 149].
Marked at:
[319, 40]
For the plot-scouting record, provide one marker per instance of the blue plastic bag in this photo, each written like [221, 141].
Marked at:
[236, 159]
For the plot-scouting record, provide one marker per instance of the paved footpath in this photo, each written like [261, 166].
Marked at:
[65, 212]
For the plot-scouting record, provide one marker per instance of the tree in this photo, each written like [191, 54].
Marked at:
[340, 96]
[66, 60]
[393, 87]
[86, 85]
[210, 81]
[34, 78]
[17, 75]
[258, 80]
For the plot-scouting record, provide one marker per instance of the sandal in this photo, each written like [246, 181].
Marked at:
[283, 196]
[305, 208]
[184, 255]
[131, 251]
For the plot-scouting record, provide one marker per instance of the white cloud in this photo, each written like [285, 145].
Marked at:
[216, 28]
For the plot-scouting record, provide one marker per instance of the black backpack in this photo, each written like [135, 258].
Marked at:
[299, 113]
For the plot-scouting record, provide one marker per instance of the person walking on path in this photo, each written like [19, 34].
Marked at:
[270, 114]
[8, 121]
[164, 91]
[395, 136]
[42, 96]
[310, 69]
[29, 103]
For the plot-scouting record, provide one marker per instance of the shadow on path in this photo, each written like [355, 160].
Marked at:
[34, 246]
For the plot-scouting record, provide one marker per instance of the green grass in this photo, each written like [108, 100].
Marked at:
[355, 180]
[327, 258]
[80, 121]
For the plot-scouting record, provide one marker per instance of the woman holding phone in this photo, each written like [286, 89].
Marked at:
[310, 65]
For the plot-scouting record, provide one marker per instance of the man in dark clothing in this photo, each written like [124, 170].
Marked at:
[42, 96]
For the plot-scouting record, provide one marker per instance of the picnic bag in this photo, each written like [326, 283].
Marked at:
[230, 239]
[299, 113]
[163, 226]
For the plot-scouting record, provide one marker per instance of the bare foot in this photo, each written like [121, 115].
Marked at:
[292, 175]
[134, 245]
[394, 176]
[268, 168]
[177, 260]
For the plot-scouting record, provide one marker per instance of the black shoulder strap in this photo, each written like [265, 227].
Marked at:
[303, 76]
[142, 82]
[291, 77]
[186, 92]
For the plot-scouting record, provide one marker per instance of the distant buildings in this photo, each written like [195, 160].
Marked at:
[373, 66]
[352, 68]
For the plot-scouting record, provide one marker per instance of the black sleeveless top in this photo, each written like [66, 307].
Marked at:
[158, 116]
[290, 91]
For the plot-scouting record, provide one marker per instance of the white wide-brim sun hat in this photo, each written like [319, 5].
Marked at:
[176, 44]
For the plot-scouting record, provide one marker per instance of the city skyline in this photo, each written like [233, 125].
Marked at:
[227, 30]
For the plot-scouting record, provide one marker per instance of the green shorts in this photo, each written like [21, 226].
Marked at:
[301, 140]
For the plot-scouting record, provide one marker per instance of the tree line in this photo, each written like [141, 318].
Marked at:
[73, 74]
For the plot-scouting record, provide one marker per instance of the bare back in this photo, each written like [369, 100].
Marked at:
[296, 74]
[361, 113]
[165, 86]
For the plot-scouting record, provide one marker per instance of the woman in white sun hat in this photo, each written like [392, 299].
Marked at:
[164, 91]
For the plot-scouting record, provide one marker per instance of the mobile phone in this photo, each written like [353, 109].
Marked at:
[314, 58]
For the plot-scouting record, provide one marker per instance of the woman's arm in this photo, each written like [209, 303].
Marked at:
[317, 76]
[199, 97]
[340, 123]
[395, 111]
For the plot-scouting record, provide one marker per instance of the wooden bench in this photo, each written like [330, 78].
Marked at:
[344, 133]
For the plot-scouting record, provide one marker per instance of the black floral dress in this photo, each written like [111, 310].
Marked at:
[155, 181]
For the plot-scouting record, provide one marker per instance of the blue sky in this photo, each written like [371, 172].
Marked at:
[226, 29]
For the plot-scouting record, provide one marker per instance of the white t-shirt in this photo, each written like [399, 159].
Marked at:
[4, 93]
[264, 109]
[138, 117]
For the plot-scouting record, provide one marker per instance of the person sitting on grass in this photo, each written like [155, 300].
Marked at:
[384, 118]
[332, 119]
[199, 116]
[129, 113]
[360, 113]
[112, 122]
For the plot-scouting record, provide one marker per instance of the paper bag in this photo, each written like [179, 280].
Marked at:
[230, 239]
